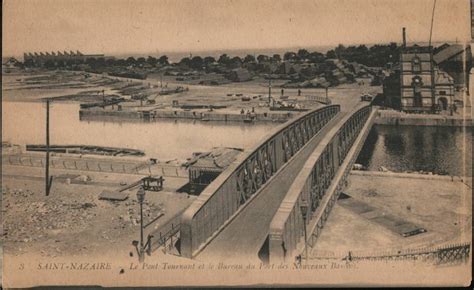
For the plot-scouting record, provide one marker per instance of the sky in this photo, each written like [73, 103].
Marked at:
[158, 26]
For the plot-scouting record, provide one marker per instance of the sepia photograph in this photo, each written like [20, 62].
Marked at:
[236, 143]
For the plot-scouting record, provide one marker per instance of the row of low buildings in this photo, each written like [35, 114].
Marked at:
[331, 72]
[41, 58]
[429, 80]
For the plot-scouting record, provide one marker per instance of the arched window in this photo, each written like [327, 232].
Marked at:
[416, 65]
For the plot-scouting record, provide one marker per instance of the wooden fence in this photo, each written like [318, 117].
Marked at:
[92, 164]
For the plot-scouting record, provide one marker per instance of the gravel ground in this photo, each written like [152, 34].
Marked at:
[72, 220]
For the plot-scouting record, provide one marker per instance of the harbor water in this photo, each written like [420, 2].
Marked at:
[440, 150]
[24, 123]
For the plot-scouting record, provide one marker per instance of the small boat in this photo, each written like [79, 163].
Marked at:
[102, 104]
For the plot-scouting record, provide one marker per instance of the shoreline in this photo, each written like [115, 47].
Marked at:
[396, 118]
[381, 119]
[389, 118]
[414, 175]
[192, 115]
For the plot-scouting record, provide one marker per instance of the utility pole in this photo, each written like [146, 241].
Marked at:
[433, 86]
[47, 180]
[269, 91]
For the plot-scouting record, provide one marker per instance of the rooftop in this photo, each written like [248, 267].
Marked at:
[448, 52]
[218, 158]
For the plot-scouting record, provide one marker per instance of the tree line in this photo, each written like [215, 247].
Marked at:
[375, 56]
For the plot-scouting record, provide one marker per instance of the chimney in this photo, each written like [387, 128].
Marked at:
[404, 38]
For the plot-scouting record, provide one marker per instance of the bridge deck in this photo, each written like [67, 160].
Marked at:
[245, 235]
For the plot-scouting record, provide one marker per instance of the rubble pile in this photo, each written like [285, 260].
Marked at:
[71, 220]
[26, 219]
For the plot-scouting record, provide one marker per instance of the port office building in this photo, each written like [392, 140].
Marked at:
[417, 83]
[423, 85]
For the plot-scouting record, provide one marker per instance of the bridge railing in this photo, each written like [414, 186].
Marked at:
[320, 99]
[315, 186]
[234, 187]
[442, 254]
[166, 232]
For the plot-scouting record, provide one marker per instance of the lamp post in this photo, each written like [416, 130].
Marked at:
[141, 198]
[304, 213]
[269, 91]
[327, 97]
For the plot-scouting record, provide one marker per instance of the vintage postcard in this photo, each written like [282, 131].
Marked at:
[237, 143]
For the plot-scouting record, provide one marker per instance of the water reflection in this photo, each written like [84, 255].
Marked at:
[413, 148]
[394, 143]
